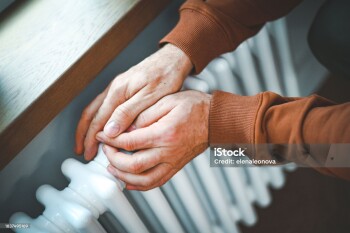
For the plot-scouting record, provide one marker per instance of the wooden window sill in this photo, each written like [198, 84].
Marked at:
[51, 50]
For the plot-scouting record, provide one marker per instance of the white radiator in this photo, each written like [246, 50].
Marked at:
[199, 198]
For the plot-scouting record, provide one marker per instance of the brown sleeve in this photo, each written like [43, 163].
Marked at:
[207, 29]
[302, 128]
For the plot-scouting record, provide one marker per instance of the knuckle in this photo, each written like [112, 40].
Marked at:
[162, 181]
[129, 145]
[147, 181]
[141, 120]
[119, 86]
[97, 122]
[95, 125]
[172, 131]
[136, 166]
[152, 96]
[128, 91]
[152, 85]
[116, 82]
[171, 134]
[120, 175]
[86, 115]
[123, 112]
[157, 158]
[106, 105]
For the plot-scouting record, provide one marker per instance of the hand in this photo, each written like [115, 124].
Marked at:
[129, 94]
[166, 136]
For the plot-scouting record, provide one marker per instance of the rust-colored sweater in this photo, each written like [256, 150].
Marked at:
[207, 29]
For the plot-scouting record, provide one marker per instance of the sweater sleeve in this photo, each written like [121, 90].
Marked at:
[303, 130]
[207, 29]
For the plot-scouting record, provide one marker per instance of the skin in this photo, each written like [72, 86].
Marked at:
[139, 112]
[130, 93]
[166, 136]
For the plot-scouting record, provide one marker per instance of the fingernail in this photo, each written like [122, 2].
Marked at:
[130, 187]
[111, 129]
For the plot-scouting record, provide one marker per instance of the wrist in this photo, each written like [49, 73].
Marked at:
[180, 58]
[208, 100]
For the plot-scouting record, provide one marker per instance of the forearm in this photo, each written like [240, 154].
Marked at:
[207, 29]
[303, 129]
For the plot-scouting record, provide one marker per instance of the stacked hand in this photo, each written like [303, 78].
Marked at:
[165, 136]
[129, 94]
[139, 112]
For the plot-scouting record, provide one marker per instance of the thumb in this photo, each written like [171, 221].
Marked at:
[126, 113]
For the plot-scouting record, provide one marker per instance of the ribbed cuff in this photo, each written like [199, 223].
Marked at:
[199, 36]
[232, 118]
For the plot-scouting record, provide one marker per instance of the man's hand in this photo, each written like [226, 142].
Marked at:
[165, 136]
[129, 94]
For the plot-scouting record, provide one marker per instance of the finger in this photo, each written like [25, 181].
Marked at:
[135, 140]
[154, 113]
[115, 96]
[161, 182]
[125, 114]
[131, 128]
[85, 120]
[146, 179]
[138, 162]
